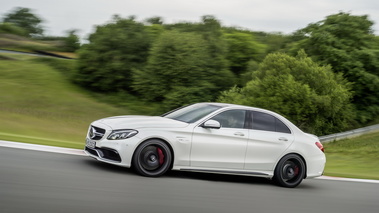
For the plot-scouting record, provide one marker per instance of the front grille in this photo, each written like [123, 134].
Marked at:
[105, 153]
[96, 133]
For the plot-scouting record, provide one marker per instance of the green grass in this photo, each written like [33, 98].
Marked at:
[354, 158]
[38, 104]
[23, 44]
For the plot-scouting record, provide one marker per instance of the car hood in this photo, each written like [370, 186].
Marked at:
[136, 122]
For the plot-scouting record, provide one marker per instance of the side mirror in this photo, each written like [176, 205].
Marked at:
[211, 124]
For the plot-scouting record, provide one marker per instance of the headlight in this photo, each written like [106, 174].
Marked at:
[122, 134]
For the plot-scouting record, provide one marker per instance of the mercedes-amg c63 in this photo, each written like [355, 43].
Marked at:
[209, 137]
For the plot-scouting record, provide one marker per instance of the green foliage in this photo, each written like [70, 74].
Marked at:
[211, 31]
[187, 64]
[181, 63]
[182, 95]
[71, 41]
[176, 71]
[241, 49]
[25, 19]
[10, 28]
[274, 41]
[106, 62]
[346, 42]
[155, 20]
[310, 95]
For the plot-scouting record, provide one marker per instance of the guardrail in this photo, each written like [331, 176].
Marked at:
[349, 134]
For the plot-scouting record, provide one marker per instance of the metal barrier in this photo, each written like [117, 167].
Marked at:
[349, 134]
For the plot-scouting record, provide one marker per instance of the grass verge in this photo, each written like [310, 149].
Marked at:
[38, 104]
[353, 158]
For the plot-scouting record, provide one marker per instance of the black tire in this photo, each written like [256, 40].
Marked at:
[290, 171]
[152, 158]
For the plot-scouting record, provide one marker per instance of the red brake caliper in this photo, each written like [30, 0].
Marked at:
[161, 156]
[296, 170]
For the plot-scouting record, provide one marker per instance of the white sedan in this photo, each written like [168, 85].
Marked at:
[209, 137]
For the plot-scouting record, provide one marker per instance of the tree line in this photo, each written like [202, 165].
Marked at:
[324, 77]
[23, 22]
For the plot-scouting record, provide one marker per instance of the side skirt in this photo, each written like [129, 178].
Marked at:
[227, 172]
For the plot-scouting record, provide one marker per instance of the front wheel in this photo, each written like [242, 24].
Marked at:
[290, 171]
[152, 158]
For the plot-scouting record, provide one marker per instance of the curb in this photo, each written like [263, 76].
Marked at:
[42, 148]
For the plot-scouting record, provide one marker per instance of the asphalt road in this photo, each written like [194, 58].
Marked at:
[34, 181]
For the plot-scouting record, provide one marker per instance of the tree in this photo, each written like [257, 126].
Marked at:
[25, 19]
[347, 43]
[177, 72]
[242, 50]
[12, 29]
[71, 41]
[113, 51]
[312, 96]
[274, 41]
[211, 31]
[155, 20]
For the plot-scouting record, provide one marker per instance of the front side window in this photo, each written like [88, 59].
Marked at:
[266, 122]
[231, 119]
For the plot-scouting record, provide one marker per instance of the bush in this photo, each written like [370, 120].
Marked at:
[12, 29]
[310, 95]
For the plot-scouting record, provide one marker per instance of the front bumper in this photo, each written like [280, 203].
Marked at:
[105, 154]
[117, 152]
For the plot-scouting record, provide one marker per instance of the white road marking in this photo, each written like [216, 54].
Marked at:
[348, 179]
[42, 148]
[69, 151]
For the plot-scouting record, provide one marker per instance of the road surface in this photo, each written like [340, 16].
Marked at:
[35, 181]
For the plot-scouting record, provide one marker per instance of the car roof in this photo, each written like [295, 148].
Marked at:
[224, 105]
[234, 106]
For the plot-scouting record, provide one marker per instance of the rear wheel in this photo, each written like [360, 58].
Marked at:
[290, 171]
[152, 158]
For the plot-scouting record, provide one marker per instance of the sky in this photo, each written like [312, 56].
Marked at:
[285, 16]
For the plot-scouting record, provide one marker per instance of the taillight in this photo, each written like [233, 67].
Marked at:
[320, 146]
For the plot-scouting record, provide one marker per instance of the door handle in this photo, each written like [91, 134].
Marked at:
[239, 134]
[283, 139]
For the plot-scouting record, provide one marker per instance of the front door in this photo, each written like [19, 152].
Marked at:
[224, 147]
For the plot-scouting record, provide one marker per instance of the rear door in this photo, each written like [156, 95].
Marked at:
[269, 137]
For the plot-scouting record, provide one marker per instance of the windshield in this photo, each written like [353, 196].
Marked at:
[191, 113]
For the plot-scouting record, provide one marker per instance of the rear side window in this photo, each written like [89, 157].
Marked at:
[266, 122]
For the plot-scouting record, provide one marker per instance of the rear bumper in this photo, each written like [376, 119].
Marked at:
[316, 166]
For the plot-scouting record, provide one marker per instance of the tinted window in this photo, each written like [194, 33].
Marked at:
[191, 113]
[281, 127]
[266, 122]
[263, 121]
[231, 119]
